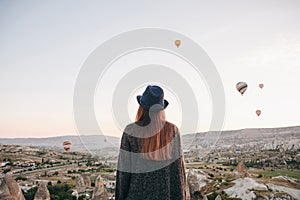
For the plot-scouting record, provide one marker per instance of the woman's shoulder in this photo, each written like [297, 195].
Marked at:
[172, 126]
[129, 129]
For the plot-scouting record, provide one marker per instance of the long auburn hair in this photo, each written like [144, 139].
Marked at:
[160, 131]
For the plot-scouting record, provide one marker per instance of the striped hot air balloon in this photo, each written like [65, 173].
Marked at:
[241, 87]
[261, 85]
[258, 112]
[67, 145]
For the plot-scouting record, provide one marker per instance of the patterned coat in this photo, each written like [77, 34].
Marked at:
[143, 179]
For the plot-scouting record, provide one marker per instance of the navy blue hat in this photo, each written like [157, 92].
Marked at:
[153, 95]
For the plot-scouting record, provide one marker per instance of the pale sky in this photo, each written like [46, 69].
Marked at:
[43, 45]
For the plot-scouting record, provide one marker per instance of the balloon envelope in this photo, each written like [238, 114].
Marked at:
[177, 43]
[241, 87]
[258, 112]
[261, 86]
[67, 145]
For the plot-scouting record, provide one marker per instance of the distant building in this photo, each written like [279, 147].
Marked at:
[3, 164]
[110, 184]
[237, 150]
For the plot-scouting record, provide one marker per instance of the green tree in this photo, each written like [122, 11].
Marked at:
[29, 195]
[61, 191]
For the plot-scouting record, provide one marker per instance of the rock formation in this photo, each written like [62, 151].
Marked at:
[281, 191]
[80, 181]
[195, 181]
[80, 185]
[241, 171]
[297, 157]
[293, 181]
[99, 190]
[75, 194]
[244, 189]
[10, 189]
[247, 188]
[279, 196]
[218, 198]
[87, 180]
[42, 192]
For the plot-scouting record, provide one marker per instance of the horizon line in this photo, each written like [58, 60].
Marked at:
[76, 135]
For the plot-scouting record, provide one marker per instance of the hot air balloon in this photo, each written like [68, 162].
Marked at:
[241, 87]
[177, 43]
[67, 145]
[258, 112]
[261, 86]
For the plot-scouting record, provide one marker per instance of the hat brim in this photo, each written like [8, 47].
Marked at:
[166, 103]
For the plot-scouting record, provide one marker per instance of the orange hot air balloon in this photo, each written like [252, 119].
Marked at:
[241, 87]
[258, 112]
[261, 86]
[67, 145]
[177, 43]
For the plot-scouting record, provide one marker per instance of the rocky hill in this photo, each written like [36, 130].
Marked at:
[78, 142]
[285, 138]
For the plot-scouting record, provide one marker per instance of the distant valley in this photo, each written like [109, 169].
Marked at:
[264, 138]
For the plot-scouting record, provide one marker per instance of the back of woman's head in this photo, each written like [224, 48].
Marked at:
[156, 134]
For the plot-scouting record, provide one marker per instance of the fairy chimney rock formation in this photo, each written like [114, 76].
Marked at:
[99, 190]
[42, 192]
[195, 181]
[80, 184]
[87, 181]
[10, 189]
[241, 171]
